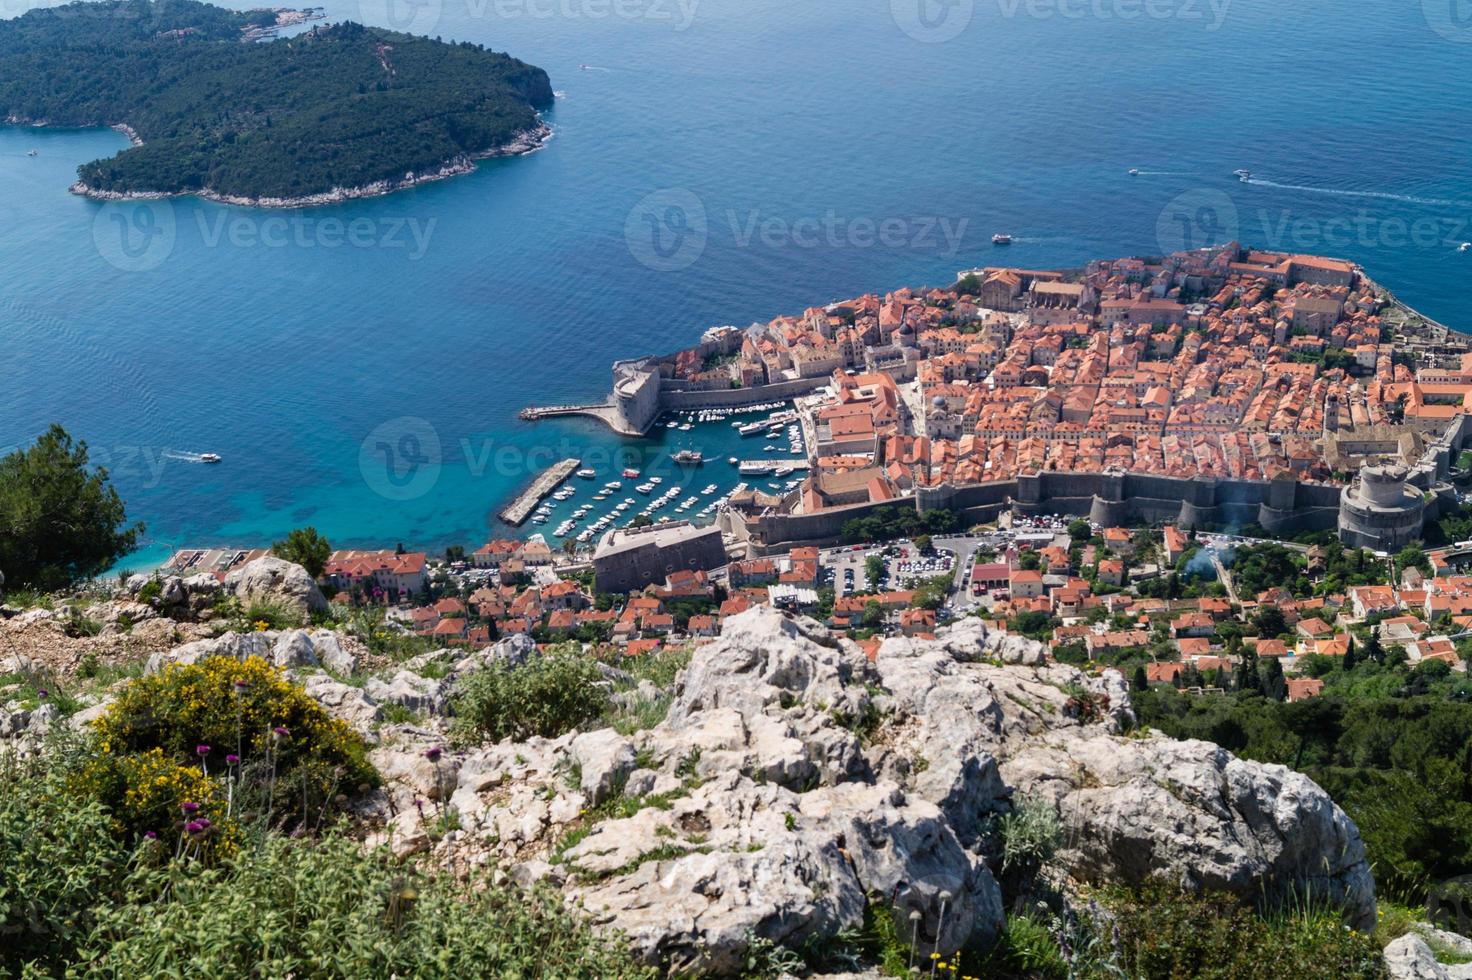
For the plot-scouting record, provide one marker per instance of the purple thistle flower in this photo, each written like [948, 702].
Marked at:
[242, 685]
[42, 694]
[232, 759]
[201, 750]
[433, 753]
[150, 835]
[280, 731]
[189, 806]
[193, 828]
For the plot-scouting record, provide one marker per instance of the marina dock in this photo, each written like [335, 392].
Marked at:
[549, 479]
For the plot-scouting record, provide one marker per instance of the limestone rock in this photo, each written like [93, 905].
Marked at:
[331, 653]
[203, 584]
[343, 701]
[172, 592]
[237, 646]
[408, 689]
[604, 759]
[1193, 814]
[737, 858]
[294, 648]
[274, 580]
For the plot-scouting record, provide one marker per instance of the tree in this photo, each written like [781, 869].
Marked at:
[1269, 621]
[1412, 556]
[1079, 530]
[1141, 682]
[874, 570]
[1275, 685]
[1350, 658]
[1314, 719]
[1374, 651]
[923, 544]
[873, 615]
[1030, 561]
[305, 547]
[61, 520]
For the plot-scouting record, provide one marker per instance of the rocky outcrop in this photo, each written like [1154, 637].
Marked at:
[1191, 813]
[693, 884]
[272, 580]
[1412, 956]
[793, 785]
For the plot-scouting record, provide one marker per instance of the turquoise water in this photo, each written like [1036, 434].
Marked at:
[829, 153]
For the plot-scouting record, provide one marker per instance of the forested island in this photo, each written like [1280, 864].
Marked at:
[339, 111]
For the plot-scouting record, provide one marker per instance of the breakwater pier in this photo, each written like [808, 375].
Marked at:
[547, 481]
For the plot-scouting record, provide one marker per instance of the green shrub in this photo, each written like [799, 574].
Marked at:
[294, 759]
[150, 592]
[1164, 933]
[58, 852]
[1028, 837]
[272, 616]
[547, 696]
[329, 909]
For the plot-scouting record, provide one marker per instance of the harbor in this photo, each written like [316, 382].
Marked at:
[521, 508]
[692, 463]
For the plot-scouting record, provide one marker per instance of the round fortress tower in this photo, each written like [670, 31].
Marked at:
[1380, 510]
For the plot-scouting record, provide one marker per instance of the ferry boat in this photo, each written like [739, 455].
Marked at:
[1242, 175]
[209, 457]
[755, 467]
[689, 457]
[1001, 239]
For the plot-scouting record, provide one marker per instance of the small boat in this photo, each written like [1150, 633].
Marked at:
[587, 474]
[209, 457]
[733, 461]
[31, 153]
[656, 480]
[689, 457]
[1242, 175]
[1465, 247]
[1001, 239]
[1134, 172]
[631, 474]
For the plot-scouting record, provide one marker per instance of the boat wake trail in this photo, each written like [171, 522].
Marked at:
[1439, 202]
[183, 457]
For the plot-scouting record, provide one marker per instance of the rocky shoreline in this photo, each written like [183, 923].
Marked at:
[525, 142]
